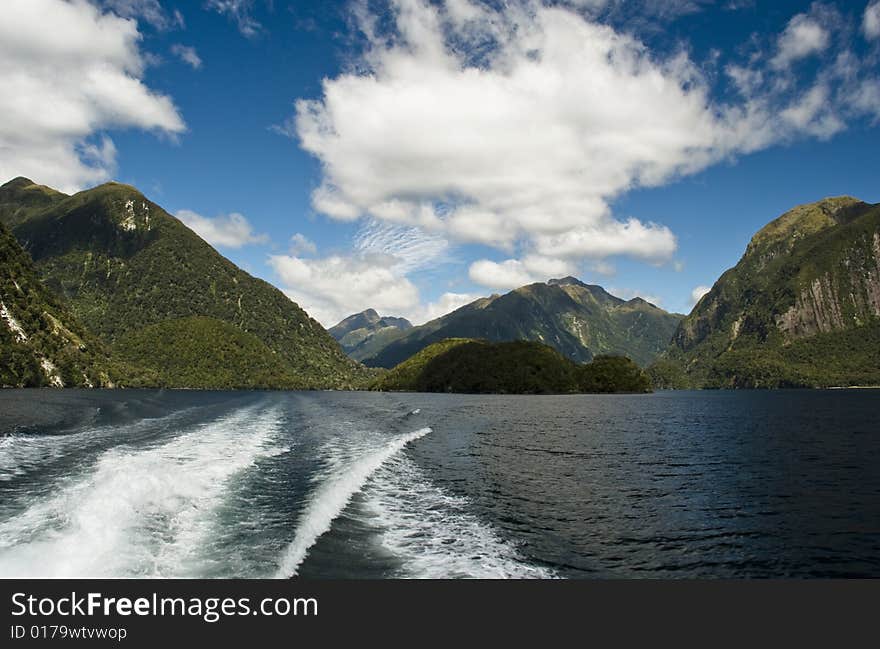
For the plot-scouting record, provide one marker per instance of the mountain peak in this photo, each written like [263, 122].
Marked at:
[566, 281]
[807, 219]
[17, 183]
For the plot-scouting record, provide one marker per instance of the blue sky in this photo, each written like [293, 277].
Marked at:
[411, 156]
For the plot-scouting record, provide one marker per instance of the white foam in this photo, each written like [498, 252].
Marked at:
[20, 453]
[144, 513]
[432, 532]
[346, 476]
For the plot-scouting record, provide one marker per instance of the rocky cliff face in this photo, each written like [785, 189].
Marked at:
[827, 303]
[813, 272]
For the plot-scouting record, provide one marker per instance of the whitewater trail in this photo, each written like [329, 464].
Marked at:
[139, 512]
[433, 533]
[345, 477]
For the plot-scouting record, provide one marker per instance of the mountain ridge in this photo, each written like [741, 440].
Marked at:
[577, 319]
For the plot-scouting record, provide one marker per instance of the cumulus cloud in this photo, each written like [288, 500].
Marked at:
[188, 55]
[527, 145]
[302, 245]
[871, 20]
[516, 126]
[513, 273]
[803, 36]
[331, 288]
[70, 72]
[228, 230]
[698, 293]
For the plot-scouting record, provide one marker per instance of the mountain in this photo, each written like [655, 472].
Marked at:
[463, 365]
[801, 308]
[578, 320]
[364, 334]
[41, 342]
[124, 265]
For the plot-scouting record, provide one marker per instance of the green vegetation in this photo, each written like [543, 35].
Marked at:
[123, 265]
[578, 320]
[207, 353]
[465, 365]
[800, 309]
[612, 374]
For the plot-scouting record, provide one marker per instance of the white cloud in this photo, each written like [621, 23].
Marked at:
[69, 73]
[651, 242]
[150, 11]
[240, 12]
[698, 293]
[871, 21]
[532, 143]
[411, 248]
[446, 303]
[803, 36]
[334, 287]
[302, 245]
[228, 230]
[515, 127]
[188, 55]
[602, 268]
[373, 275]
[513, 273]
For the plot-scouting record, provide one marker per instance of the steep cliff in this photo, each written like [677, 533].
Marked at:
[801, 307]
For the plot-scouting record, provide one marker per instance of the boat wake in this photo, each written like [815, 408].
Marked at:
[346, 475]
[139, 512]
[433, 533]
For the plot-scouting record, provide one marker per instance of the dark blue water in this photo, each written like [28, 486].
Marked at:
[263, 484]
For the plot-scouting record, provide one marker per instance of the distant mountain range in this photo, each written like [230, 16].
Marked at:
[364, 334]
[578, 320]
[801, 308]
[164, 301]
[105, 288]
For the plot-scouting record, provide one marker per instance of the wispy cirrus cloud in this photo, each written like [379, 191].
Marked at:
[188, 55]
[374, 274]
[241, 12]
[150, 11]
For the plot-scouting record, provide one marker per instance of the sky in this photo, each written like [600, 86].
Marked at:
[413, 155]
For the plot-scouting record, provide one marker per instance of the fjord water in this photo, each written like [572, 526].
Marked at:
[281, 484]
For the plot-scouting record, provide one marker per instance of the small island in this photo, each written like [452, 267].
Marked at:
[466, 365]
